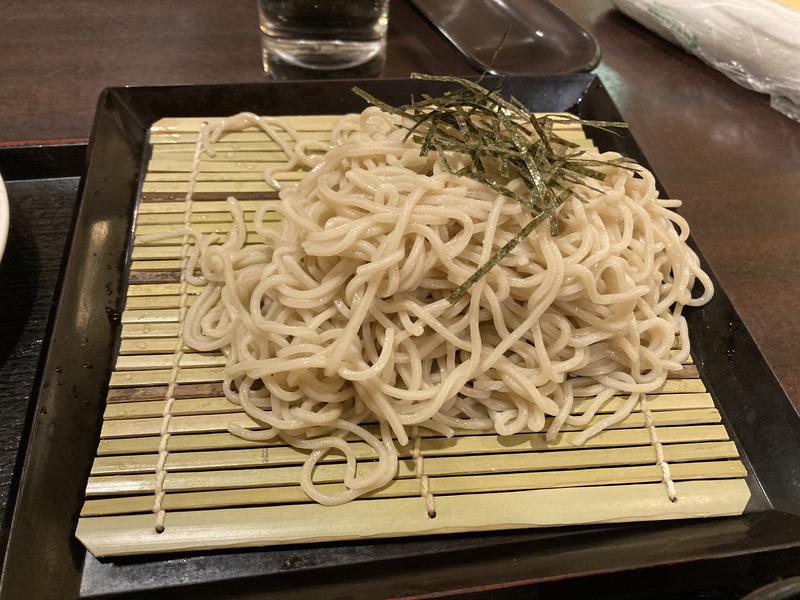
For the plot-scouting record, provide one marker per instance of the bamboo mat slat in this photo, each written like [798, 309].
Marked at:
[135, 450]
[285, 455]
[251, 135]
[211, 405]
[245, 163]
[198, 209]
[236, 478]
[148, 302]
[302, 123]
[158, 198]
[222, 218]
[204, 217]
[252, 238]
[192, 124]
[393, 517]
[400, 488]
[220, 422]
[160, 376]
[228, 188]
[533, 441]
[155, 360]
[142, 230]
[222, 491]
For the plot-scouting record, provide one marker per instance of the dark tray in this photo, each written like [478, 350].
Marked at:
[45, 560]
[42, 184]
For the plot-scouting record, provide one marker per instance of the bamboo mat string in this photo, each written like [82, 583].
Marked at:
[177, 355]
[666, 475]
[419, 473]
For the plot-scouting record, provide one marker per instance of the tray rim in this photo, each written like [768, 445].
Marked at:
[114, 102]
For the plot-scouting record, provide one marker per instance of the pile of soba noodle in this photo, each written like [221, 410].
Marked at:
[337, 327]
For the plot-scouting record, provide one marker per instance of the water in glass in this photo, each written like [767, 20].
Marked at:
[323, 34]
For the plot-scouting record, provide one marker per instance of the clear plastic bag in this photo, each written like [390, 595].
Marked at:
[754, 42]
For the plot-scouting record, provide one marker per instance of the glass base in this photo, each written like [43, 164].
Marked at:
[323, 54]
[354, 63]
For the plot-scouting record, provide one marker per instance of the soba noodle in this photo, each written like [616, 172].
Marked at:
[336, 324]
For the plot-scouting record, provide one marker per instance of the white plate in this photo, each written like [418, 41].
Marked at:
[4, 219]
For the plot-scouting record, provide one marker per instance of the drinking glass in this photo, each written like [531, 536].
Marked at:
[327, 35]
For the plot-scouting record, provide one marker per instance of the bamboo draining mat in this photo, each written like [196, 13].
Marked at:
[222, 491]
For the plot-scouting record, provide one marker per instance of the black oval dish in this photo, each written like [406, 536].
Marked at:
[539, 38]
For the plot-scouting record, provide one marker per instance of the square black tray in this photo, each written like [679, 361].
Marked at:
[45, 560]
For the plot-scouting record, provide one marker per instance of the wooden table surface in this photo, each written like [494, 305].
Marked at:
[720, 148]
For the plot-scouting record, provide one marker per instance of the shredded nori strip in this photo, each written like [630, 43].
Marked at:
[502, 139]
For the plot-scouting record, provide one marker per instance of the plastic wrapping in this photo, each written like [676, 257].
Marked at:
[754, 42]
